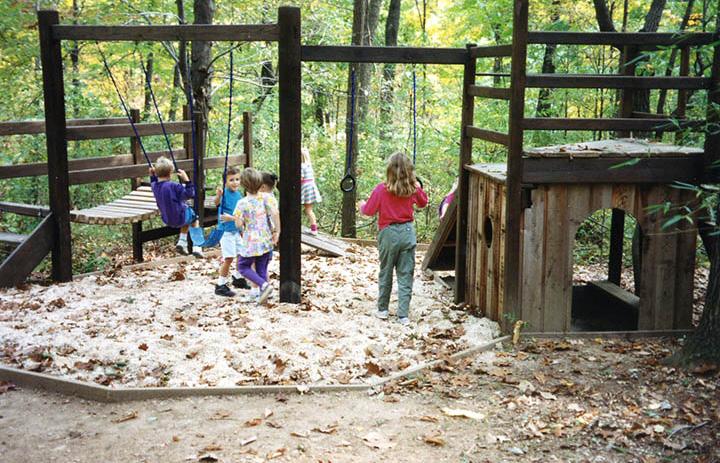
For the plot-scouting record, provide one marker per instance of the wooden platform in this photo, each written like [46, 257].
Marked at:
[323, 242]
[614, 148]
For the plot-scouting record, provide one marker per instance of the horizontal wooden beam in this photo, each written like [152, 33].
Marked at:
[35, 127]
[23, 260]
[79, 177]
[493, 51]
[213, 32]
[95, 132]
[25, 209]
[620, 39]
[609, 170]
[488, 135]
[613, 81]
[489, 92]
[40, 168]
[358, 54]
[625, 124]
[644, 115]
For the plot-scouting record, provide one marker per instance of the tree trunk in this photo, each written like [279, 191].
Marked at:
[497, 61]
[548, 67]
[267, 83]
[174, 99]
[182, 63]
[148, 97]
[201, 70]
[349, 200]
[392, 27]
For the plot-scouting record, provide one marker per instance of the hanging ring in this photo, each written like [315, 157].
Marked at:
[347, 184]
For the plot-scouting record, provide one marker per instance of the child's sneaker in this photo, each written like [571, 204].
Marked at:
[381, 314]
[240, 283]
[254, 294]
[224, 290]
[181, 249]
[404, 321]
[313, 230]
[197, 252]
[264, 293]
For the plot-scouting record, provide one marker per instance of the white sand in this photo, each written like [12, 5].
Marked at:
[139, 328]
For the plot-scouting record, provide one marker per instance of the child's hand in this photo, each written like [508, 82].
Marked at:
[183, 175]
[417, 184]
[275, 237]
[361, 204]
[152, 171]
[218, 191]
[227, 218]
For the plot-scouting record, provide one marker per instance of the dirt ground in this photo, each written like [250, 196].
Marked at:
[567, 400]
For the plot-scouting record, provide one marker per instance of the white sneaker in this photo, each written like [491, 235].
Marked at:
[197, 252]
[181, 248]
[381, 315]
[265, 292]
[404, 321]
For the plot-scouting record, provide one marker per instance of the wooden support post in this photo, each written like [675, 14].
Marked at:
[55, 128]
[514, 203]
[463, 189]
[247, 138]
[135, 183]
[627, 95]
[712, 135]
[290, 138]
[617, 236]
[199, 164]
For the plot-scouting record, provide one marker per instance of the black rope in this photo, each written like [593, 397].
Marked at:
[227, 141]
[122, 102]
[193, 126]
[347, 184]
[157, 111]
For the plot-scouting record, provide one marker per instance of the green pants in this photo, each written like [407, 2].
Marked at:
[396, 244]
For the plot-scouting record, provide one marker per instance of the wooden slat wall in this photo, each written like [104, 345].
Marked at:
[548, 231]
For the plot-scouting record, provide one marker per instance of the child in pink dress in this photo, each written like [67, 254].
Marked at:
[309, 192]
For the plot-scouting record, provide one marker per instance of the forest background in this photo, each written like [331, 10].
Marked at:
[384, 115]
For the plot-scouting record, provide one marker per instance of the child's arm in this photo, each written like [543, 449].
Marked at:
[153, 177]
[188, 189]
[276, 226]
[372, 205]
[218, 196]
[420, 197]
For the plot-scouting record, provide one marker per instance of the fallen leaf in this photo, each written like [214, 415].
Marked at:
[375, 440]
[373, 368]
[327, 429]
[434, 439]
[130, 416]
[247, 441]
[253, 422]
[268, 413]
[462, 413]
[212, 448]
[299, 434]
[429, 419]
[276, 453]
[143, 346]
[273, 424]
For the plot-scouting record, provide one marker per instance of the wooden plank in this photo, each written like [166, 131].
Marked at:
[614, 291]
[56, 142]
[712, 137]
[290, 79]
[491, 51]
[323, 243]
[79, 177]
[488, 135]
[364, 54]
[40, 168]
[613, 81]
[24, 209]
[38, 126]
[686, 250]
[620, 39]
[24, 258]
[644, 115]
[514, 204]
[445, 230]
[619, 124]
[465, 158]
[605, 170]
[185, 32]
[558, 256]
[489, 92]
[96, 132]
[535, 229]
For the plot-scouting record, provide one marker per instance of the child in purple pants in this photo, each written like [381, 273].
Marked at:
[258, 220]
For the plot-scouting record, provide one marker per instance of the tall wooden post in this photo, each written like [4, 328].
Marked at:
[514, 203]
[290, 139]
[135, 183]
[468, 111]
[712, 135]
[617, 237]
[200, 143]
[55, 127]
[247, 138]
[682, 97]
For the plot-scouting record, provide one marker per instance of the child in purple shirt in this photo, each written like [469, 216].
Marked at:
[171, 198]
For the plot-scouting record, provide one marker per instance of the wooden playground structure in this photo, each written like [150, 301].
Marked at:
[506, 260]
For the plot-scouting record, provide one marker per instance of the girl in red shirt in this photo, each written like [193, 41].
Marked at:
[393, 201]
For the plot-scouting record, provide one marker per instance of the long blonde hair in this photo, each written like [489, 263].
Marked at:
[400, 175]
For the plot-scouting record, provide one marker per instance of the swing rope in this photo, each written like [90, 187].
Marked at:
[157, 111]
[347, 184]
[193, 126]
[122, 102]
[414, 107]
[227, 140]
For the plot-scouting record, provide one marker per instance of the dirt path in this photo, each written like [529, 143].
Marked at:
[575, 401]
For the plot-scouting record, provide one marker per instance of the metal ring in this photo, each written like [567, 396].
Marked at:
[347, 184]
